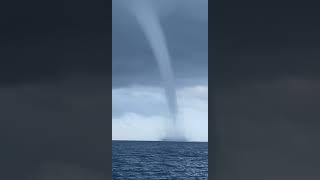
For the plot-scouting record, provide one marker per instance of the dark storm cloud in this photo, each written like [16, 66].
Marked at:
[186, 30]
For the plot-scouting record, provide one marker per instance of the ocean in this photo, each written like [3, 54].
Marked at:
[140, 160]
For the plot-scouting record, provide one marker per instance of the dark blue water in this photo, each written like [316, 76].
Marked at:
[159, 160]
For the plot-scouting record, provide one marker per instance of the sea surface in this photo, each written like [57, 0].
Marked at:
[140, 160]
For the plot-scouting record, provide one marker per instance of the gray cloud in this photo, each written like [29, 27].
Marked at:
[187, 34]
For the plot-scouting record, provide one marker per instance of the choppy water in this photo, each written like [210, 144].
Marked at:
[159, 160]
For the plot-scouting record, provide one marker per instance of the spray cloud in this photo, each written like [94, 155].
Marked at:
[150, 24]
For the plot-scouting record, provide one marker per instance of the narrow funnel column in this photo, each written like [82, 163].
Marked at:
[150, 24]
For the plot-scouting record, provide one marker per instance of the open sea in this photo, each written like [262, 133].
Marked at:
[141, 160]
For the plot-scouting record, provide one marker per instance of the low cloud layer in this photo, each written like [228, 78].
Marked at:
[140, 113]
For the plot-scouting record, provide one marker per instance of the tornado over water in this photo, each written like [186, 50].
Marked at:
[150, 24]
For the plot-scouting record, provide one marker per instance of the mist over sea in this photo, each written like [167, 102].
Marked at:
[139, 160]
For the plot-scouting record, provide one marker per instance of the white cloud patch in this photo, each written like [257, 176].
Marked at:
[140, 113]
[132, 126]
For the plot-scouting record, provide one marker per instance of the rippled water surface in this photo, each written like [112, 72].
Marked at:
[159, 160]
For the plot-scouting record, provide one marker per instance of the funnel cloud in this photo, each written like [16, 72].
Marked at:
[147, 18]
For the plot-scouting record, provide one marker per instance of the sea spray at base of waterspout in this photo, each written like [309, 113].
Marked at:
[150, 24]
[175, 130]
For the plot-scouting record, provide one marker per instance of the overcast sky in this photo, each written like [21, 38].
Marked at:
[139, 107]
